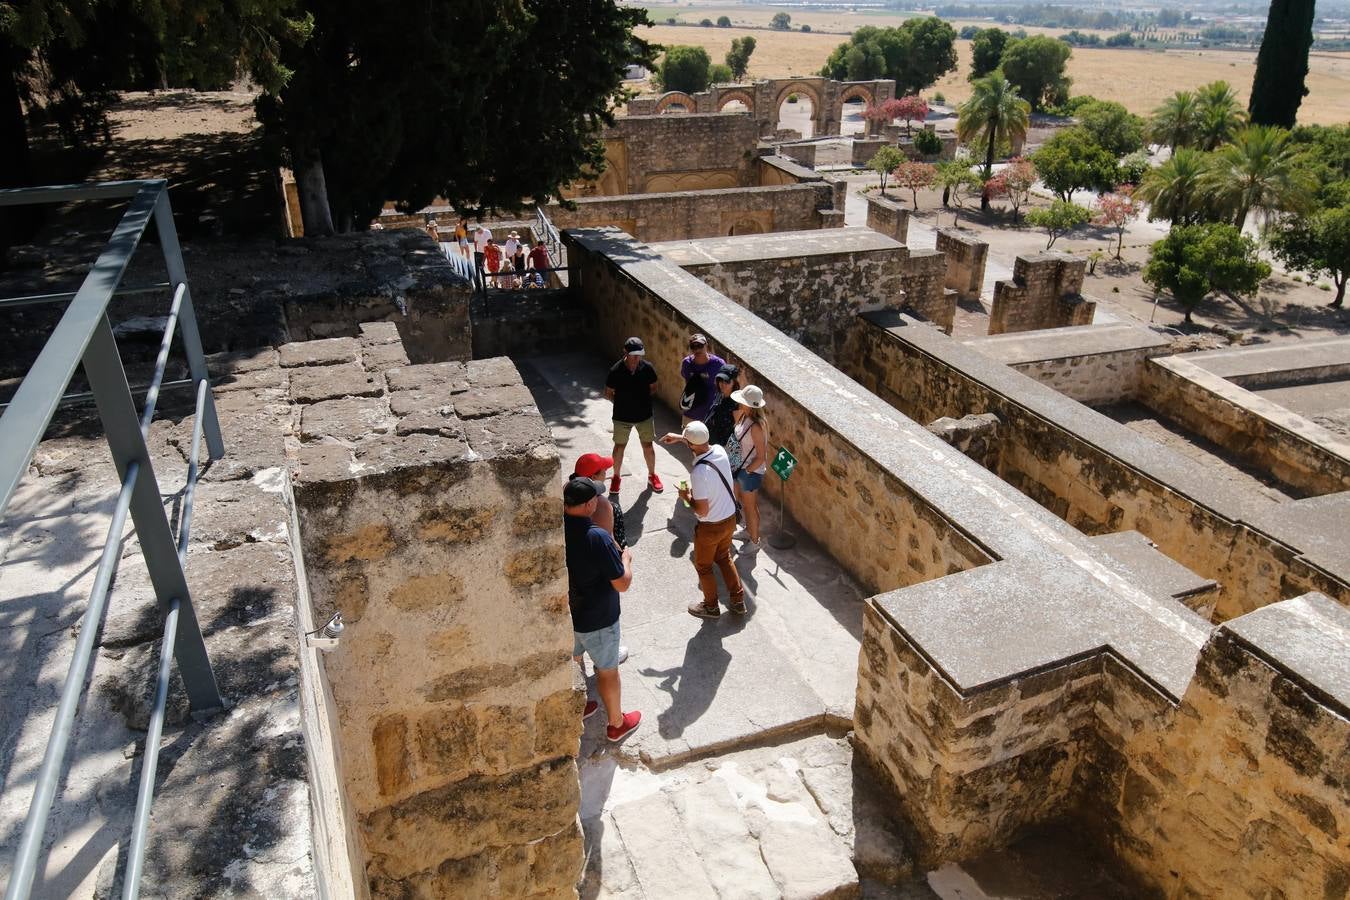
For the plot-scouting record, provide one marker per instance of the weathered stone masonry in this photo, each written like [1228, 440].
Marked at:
[428, 511]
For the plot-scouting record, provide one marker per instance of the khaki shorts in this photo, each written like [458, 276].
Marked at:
[646, 431]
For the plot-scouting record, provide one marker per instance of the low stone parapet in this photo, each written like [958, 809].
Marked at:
[888, 217]
[966, 257]
[1045, 292]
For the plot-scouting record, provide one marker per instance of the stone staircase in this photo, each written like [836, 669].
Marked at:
[799, 820]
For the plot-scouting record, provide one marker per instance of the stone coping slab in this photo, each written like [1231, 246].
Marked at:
[1132, 449]
[984, 627]
[1307, 637]
[1261, 365]
[973, 501]
[780, 245]
[1316, 525]
[1067, 343]
[679, 195]
[1150, 568]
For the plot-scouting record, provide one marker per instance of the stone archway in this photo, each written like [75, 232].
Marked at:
[734, 95]
[853, 91]
[811, 92]
[674, 98]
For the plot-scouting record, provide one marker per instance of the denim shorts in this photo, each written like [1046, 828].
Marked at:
[749, 481]
[602, 645]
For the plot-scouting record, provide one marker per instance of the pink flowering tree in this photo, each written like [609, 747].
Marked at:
[1013, 183]
[912, 109]
[882, 114]
[1117, 210]
[914, 176]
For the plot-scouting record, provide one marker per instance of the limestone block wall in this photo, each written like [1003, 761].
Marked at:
[844, 493]
[863, 149]
[699, 214]
[783, 169]
[1297, 451]
[802, 153]
[1046, 292]
[966, 259]
[924, 293]
[427, 503]
[888, 217]
[811, 298]
[684, 152]
[1095, 473]
[1236, 788]
[1093, 364]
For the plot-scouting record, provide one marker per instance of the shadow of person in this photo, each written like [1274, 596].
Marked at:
[693, 684]
[634, 517]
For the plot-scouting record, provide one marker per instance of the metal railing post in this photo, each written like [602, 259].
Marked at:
[103, 368]
[192, 341]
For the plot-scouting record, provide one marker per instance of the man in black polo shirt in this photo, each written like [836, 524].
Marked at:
[630, 384]
[597, 572]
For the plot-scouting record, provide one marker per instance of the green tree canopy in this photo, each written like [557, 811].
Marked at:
[1175, 189]
[738, 57]
[1035, 66]
[724, 21]
[915, 54]
[884, 162]
[720, 73]
[1072, 161]
[986, 50]
[1260, 169]
[434, 102]
[1282, 65]
[780, 21]
[1218, 115]
[1318, 245]
[685, 68]
[1058, 219]
[1194, 261]
[1174, 121]
[1112, 126]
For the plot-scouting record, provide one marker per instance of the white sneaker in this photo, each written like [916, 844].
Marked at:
[623, 655]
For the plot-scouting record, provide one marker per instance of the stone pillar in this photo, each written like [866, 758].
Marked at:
[888, 217]
[966, 259]
[428, 499]
[1045, 293]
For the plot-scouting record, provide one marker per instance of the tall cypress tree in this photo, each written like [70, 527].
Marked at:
[1282, 65]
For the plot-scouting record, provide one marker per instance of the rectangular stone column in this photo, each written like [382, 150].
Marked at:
[430, 517]
[1046, 292]
[966, 259]
[888, 217]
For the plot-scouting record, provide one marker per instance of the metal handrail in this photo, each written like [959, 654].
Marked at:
[84, 336]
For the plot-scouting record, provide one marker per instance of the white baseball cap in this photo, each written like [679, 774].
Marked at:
[695, 433]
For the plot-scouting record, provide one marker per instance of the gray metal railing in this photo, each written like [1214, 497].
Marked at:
[84, 335]
[544, 231]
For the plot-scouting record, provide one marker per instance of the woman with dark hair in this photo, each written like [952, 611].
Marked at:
[721, 420]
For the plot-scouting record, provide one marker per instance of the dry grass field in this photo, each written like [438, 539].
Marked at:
[1139, 79]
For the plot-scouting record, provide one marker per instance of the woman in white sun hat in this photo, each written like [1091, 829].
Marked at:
[751, 436]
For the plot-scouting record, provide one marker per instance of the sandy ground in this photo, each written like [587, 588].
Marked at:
[1139, 79]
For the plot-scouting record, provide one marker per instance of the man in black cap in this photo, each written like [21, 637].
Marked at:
[630, 385]
[597, 572]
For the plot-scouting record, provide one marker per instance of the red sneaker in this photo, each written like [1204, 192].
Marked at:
[591, 708]
[630, 724]
[614, 485]
[655, 481]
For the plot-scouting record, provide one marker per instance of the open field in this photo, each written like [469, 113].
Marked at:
[1139, 79]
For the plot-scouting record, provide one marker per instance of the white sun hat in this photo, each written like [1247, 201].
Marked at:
[750, 396]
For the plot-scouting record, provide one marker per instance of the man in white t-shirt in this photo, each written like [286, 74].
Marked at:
[713, 500]
[481, 235]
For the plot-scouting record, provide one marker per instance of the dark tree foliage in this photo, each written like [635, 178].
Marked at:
[485, 103]
[916, 54]
[685, 68]
[738, 57]
[1282, 64]
[1035, 66]
[986, 51]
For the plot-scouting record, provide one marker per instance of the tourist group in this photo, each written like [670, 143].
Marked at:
[726, 429]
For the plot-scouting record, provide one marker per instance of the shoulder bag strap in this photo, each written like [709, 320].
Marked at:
[720, 477]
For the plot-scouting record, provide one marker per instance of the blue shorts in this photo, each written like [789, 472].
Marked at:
[749, 481]
[602, 645]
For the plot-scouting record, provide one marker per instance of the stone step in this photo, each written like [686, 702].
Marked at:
[719, 834]
[665, 861]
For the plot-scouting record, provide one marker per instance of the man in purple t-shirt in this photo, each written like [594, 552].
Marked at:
[698, 370]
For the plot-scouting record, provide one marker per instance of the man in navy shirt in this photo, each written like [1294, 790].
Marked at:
[630, 384]
[597, 572]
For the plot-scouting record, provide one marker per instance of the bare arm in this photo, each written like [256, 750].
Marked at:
[624, 581]
[761, 444]
[609, 393]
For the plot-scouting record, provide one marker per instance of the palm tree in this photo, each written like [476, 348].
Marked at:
[1174, 190]
[996, 113]
[1218, 115]
[1174, 122]
[1261, 170]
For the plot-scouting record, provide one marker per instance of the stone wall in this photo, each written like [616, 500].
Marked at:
[528, 323]
[863, 149]
[888, 217]
[847, 491]
[804, 153]
[1093, 364]
[966, 258]
[427, 502]
[764, 98]
[660, 154]
[700, 214]
[1046, 292]
[924, 293]
[1299, 452]
[1235, 788]
[1096, 473]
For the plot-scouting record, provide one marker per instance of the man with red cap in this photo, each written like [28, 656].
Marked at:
[608, 515]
